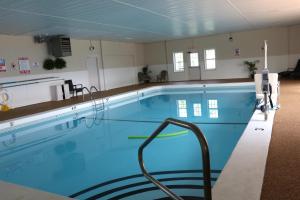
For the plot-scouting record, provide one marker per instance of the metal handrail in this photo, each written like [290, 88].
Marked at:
[91, 95]
[205, 157]
[91, 89]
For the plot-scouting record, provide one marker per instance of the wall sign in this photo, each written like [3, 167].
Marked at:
[24, 65]
[237, 52]
[2, 65]
[35, 65]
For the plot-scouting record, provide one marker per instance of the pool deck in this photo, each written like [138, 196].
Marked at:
[282, 177]
[42, 107]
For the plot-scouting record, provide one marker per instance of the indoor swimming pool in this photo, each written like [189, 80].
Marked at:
[92, 154]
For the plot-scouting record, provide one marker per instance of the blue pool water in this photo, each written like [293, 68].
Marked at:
[89, 155]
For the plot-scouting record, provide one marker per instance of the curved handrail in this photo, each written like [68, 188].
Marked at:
[93, 87]
[204, 150]
[91, 95]
[96, 90]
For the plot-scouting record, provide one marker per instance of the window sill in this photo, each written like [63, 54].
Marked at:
[210, 69]
[178, 71]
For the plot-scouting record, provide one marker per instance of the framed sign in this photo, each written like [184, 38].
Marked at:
[2, 65]
[237, 52]
[24, 65]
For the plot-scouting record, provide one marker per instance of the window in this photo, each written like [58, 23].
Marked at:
[197, 109]
[213, 103]
[210, 59]
[213, 108]
[182, 108]
[178, 62]
[194, 59]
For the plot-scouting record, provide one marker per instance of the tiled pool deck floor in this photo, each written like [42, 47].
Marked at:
[282, 177]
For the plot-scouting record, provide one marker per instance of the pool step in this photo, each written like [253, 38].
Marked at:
[186, 183]
[184, 197]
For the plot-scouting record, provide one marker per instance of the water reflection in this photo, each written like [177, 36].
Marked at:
[72, 162]
[11, 140]
[213, 108]
[196, 108]
[68, 125]
[181, 108]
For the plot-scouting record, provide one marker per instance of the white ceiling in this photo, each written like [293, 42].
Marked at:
[142, 20]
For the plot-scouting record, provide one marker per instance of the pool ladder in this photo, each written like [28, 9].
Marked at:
[92, 97]
[204, 151]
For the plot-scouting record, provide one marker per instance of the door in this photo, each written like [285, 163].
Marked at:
[194, 73]
[93, 71]
[194, 66]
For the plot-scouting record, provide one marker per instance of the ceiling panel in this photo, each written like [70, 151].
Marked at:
[269, 12]
[200, 17]
[105, 12]
[142, 20]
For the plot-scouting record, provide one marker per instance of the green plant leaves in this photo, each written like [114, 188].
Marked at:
[58, 63]
[48, 64]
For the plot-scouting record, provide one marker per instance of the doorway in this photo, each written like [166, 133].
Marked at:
[194, 67]
[93, 71]
[194, 73]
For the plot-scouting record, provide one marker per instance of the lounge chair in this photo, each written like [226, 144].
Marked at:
[163, 76]
[143, 78]
[291, 72]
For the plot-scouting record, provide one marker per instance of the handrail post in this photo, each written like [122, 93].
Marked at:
[205, 157]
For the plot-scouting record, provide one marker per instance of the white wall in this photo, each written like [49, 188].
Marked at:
[121, 61]
[283, 46]
[118, 64]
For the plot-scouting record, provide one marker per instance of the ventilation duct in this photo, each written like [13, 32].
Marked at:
[59, 46]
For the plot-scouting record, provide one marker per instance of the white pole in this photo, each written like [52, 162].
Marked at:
[266, 54]
[265, 80]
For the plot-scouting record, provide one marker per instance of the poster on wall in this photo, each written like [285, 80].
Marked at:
[24, 65]
[2, 65]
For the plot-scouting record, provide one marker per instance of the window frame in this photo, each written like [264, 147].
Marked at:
[205, 59]
[174, 61]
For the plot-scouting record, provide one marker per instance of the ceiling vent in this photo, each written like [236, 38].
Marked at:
[59, 46]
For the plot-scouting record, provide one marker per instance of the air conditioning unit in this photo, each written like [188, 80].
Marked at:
[59, 46]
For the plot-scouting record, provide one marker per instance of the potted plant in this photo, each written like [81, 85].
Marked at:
[144, 76]
[48, 64]
[251, 67]
[60, 63]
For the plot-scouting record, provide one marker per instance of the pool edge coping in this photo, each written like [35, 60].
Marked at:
[248, 160]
